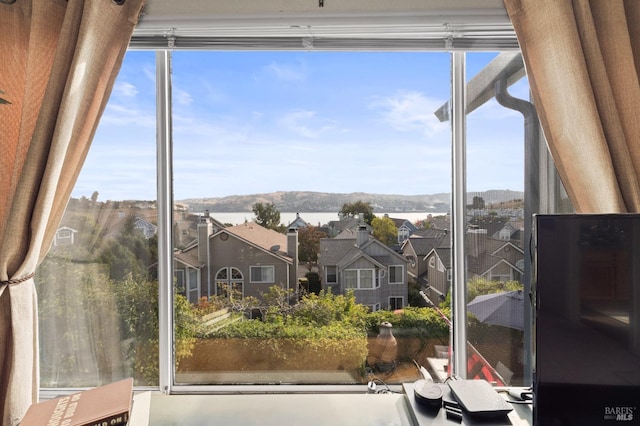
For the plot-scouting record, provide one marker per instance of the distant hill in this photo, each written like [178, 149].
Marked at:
[307, 201]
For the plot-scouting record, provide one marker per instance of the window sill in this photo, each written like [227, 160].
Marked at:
[297, 408]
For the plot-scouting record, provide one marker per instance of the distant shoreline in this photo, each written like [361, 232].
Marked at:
[313, 218]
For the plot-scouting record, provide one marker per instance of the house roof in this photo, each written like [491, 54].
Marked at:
[298, 222]
[422, 246]
[189, 258]
[333, 250]
[493, 225]
[266, 239]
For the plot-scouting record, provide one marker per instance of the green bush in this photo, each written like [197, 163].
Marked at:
[411, 321]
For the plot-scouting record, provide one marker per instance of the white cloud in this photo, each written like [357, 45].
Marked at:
[410, 111]
[298, 122]
[125, 89]
[182, 97]
[286, 72]
[121, 115]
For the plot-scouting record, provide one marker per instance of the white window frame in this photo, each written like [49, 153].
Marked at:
[360, 279]
[396, 298]
[449, 40]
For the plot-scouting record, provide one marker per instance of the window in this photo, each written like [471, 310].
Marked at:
[358, 278]
[332, 276]
[105, 283]
[193, 287]
[396, 274]
[262, 274]
[229, 283]
[64, 233]
[396, 303]
[277, 106]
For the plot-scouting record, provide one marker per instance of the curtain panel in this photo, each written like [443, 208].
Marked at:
[583, 59]
[58, 63]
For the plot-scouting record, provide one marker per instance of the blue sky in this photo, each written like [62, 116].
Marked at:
[253, 122]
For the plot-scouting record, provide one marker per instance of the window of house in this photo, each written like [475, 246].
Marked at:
[193, 287]
[266, 119]
[64, 233]
[396, 303]
[331, 274]
[180, 278]
[396, 274]
[262, 274]
[229, 284]
[359, 279]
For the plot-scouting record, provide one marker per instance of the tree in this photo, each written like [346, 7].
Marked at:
[267, 215]
[385, 230]
[359, 208]
[478, 203]
[309, 245]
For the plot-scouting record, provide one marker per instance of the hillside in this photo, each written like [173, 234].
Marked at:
[307, 201]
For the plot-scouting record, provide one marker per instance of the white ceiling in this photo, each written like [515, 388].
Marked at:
[323, 19]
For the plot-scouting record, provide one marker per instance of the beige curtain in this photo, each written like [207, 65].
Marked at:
[583, 60]
[58, 62]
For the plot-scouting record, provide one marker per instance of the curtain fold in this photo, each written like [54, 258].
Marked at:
[58, 63]
[583, 59]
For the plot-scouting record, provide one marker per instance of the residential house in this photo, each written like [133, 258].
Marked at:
[499, 227]
[298, 223]
[376, 273]
[237, 261]
[438, 271]
[415, 248]
[405, 228]
[491, 258]
[186, 226]
[65, 236]
[335, 227]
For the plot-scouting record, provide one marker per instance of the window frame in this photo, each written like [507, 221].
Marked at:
[328, 275]
[270, 280]
[400, 275]
[167, 373]
[358, 278]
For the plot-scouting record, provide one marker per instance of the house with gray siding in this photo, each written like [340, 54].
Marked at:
[237, 261]
[359, 262]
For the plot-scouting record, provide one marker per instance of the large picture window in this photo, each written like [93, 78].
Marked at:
[282, 149]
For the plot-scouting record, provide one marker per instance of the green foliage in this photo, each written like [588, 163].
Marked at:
[384, 230]
[411, 321]
[319, 324]
[267, 215]
[325, 308]
[138, 309]
[129, 253]
[358, 208]
[478, 285]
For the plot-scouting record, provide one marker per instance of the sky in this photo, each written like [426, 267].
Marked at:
[264, 121]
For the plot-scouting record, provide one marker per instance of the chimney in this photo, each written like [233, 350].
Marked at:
[362, 235]
[476, 241]
[292, 251]
[205, 228]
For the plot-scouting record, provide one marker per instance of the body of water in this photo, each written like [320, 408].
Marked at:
[312, 218]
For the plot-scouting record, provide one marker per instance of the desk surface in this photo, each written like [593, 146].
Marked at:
[520, 416]
[366, 409]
